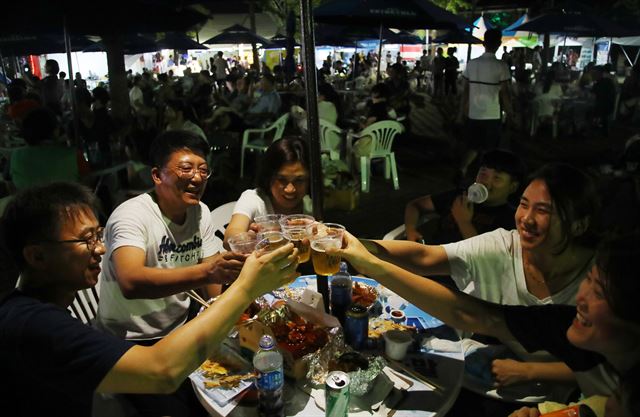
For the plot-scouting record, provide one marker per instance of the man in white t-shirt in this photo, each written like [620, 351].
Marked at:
[161, 244]
[485, 95]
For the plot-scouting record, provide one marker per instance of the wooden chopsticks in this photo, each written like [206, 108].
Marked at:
[197, 298]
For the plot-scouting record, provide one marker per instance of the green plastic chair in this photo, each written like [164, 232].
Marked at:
[261, 143]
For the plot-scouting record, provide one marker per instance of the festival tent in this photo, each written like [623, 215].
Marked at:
[481, 26]
[625, 41]
[518, 38]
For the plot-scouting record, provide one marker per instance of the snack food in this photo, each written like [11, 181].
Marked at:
[220, 375]
[363, 294]
[379, 326]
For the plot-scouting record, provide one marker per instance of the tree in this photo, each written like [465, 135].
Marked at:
[454, 6]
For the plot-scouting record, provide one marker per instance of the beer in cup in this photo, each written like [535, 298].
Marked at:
[294, 228]
[270, 241]
[325, 236]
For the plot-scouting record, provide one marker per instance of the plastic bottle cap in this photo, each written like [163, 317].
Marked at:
[266, 342]
[343, 267]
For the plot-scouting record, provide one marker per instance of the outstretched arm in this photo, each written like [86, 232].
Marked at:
[161, 368]
[455, 308]
[415, 257]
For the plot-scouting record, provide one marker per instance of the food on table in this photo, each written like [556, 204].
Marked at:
[220, 374]
[297, 335]
[363, 294]
[379, 326]
[349, 362]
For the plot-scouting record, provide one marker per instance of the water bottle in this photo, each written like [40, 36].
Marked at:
[270, 381]
[341, 292]
[477, 193]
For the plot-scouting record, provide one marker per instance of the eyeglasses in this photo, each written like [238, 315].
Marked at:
[188, 172]
[296, 181]
[91, 241]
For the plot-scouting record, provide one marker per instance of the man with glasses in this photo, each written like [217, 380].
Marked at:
[160, 245]
[53, 363]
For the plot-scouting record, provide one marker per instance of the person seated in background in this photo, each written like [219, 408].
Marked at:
[501, 172]
[283, 181]
[378, 108]
[328, 105]
[266, 106]
[44, 159]
[398, 88]
[53, 235]
[229, 113]
[180, 116]
[541, 262]
[547, 96]
[598, 338]
[20, 102]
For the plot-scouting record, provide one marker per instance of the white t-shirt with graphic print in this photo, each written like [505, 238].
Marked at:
[138, 222]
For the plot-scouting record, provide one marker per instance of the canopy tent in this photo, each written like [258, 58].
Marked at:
[132, 44]
[404, 14]
[279, 41]
[237, 34]
[626, 41]
[40, 44]
[178, 40]
[575, 20]
[481, 25]
[518, 38]
[456, 37]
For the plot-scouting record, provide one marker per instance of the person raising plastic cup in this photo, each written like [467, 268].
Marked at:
[324, 236]
[268, 222]
[270, 240]
[294, 228]
[244, 242]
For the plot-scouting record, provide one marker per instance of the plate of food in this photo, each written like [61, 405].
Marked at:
[223, 376]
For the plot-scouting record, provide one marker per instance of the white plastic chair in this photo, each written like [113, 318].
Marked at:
[397, 233]
[261, 144]
[382, 135]
[220, 218]
[328, 133]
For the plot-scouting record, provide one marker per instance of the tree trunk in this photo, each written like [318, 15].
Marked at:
[118, 90]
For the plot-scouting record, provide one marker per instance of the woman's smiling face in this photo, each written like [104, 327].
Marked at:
[595, 326]
[537, 221]
[289, 186]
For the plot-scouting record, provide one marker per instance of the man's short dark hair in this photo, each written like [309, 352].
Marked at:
[174, 140]
[492, 39]
[39, 125]
[38, 213]
[505, 161]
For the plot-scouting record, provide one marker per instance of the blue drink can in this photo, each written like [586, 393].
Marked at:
[340, 297]
[356, 326]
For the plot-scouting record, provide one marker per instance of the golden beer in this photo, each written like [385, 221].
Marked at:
[270, 241]
[298, 236]
[324, 264]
